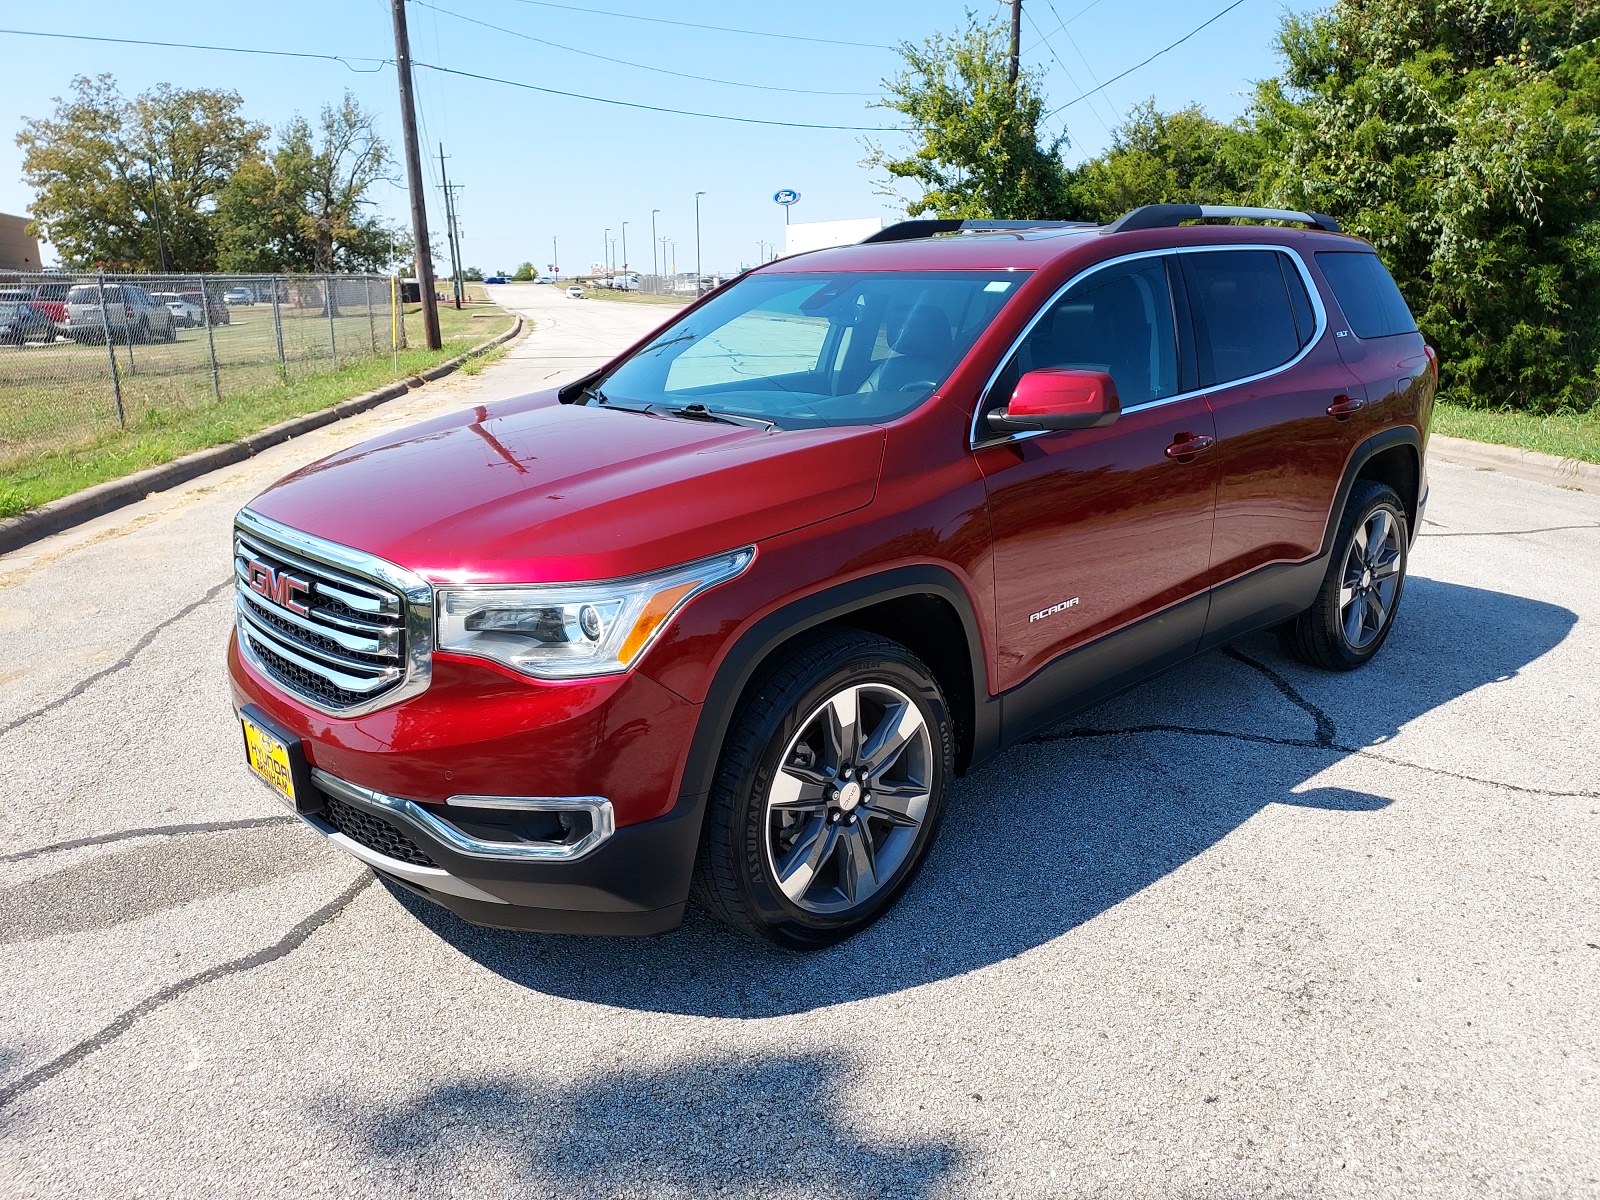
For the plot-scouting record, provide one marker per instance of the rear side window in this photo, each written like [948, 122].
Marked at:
[1245, 322]
[1372, 303]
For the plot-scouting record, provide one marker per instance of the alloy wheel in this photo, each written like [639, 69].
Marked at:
[848, 798]
[1370, 579]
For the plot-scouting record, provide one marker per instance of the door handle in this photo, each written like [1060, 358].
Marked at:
[1343, 407]
[1188, 447]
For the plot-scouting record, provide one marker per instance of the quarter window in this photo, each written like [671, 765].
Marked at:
[1244, 321]
[1117, 321]
[1372, 303]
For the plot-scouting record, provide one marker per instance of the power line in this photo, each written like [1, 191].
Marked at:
[344, 60]
[788, 37]
[1078, 50]
[1045, 42]
[1063, 24]
[678, 112]
[636, 65]
[1145, 63]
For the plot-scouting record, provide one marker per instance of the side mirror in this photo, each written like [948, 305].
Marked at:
[1059, 399]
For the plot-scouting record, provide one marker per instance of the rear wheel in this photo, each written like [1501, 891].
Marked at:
[830, 788]
[1354, 611]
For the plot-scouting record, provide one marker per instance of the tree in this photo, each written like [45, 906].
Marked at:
[975, 149]
[1460, 137]
[524, 274]
[1183, 157]
[104, 169]
[305, 207]
[473, 274]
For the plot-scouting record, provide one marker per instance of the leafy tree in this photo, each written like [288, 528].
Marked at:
[1461, 137]
[976, 150]
[305, 207]
[524, 274]
[1183, 157]
[103, 168]
[474, 274]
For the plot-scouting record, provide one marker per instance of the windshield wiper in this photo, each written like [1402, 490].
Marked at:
[699, 412]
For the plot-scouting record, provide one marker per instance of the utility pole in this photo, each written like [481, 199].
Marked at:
[698, 274]
[555, 257]
[155, 211]
[419, 198]
[624, 247]
[1016, 41]
[605, 251]
[450, 232]
[653, 240]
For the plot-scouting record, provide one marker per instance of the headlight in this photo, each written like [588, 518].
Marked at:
[572, 631]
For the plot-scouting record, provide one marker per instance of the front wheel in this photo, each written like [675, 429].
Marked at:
[831, 785]
[1355, 609]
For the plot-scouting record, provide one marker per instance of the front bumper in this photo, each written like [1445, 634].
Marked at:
[630, 881]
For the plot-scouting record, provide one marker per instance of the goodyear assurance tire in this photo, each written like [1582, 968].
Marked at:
[829, 791]
[1360, 595]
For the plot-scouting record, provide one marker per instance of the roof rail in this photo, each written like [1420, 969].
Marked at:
[905, 231]
[1165, 216]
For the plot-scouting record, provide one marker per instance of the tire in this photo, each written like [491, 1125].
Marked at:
[1354, 611]
[793, 856]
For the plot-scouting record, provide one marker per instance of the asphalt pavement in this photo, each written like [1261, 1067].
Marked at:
[1249, 930]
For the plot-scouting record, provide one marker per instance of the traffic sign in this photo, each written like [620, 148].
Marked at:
[786, 197]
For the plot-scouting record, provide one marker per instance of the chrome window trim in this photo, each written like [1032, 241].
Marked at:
[408, 812]
[417, 614]
[976, 442]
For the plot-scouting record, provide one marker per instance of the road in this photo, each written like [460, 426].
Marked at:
[1249, 930]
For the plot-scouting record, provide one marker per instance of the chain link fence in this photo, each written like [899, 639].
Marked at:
[82, 355]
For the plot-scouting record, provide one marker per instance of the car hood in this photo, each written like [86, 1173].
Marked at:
[534, 491]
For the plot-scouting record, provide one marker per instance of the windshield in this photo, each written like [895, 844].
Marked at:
[815, 349]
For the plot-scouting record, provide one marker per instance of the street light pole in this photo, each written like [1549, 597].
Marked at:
[653, 240]
[419, 199]
[555, 257]
[698, 273]
[605, 251]
[624, 247]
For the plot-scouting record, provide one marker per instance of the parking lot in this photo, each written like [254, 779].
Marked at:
[1248, 930]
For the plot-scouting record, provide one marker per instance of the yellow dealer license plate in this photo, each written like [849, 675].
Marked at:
[269, 758]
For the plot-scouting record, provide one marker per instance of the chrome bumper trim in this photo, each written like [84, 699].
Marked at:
[408, 812]
[432, 878]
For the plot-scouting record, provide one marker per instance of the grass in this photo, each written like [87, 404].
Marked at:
[626, 297]
[164, 431]
[1566, 435]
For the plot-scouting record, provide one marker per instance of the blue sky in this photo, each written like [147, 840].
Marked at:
[536, 166]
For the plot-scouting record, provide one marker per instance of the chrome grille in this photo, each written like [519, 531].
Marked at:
[338, 629]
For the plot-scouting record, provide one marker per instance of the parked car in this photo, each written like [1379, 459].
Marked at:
[22, 322]
[125, 310]
[51, 299]
[575, 292]
[733, 610]
[185, 313]
[210, 300]
[239, 296]
[494, 279]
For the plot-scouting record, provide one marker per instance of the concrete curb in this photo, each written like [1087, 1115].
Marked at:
[1570, 473]
[16, 532]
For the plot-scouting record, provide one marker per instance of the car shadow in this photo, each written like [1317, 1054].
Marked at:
[1060, 829]
[718, 1124]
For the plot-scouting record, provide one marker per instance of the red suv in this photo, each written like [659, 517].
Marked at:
[729, 614]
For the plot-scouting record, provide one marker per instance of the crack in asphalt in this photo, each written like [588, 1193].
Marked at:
[1325, 739]
[1326, 730]
[291, 941]
[126, 660]
[151, 831]
[1507, 532]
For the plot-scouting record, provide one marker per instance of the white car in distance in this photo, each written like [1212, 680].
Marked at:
[575, 292]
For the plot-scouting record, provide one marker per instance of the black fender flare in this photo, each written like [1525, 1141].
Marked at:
[745, 658]
[1384, 439]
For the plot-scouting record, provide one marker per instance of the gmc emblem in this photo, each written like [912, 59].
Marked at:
[279, 587]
